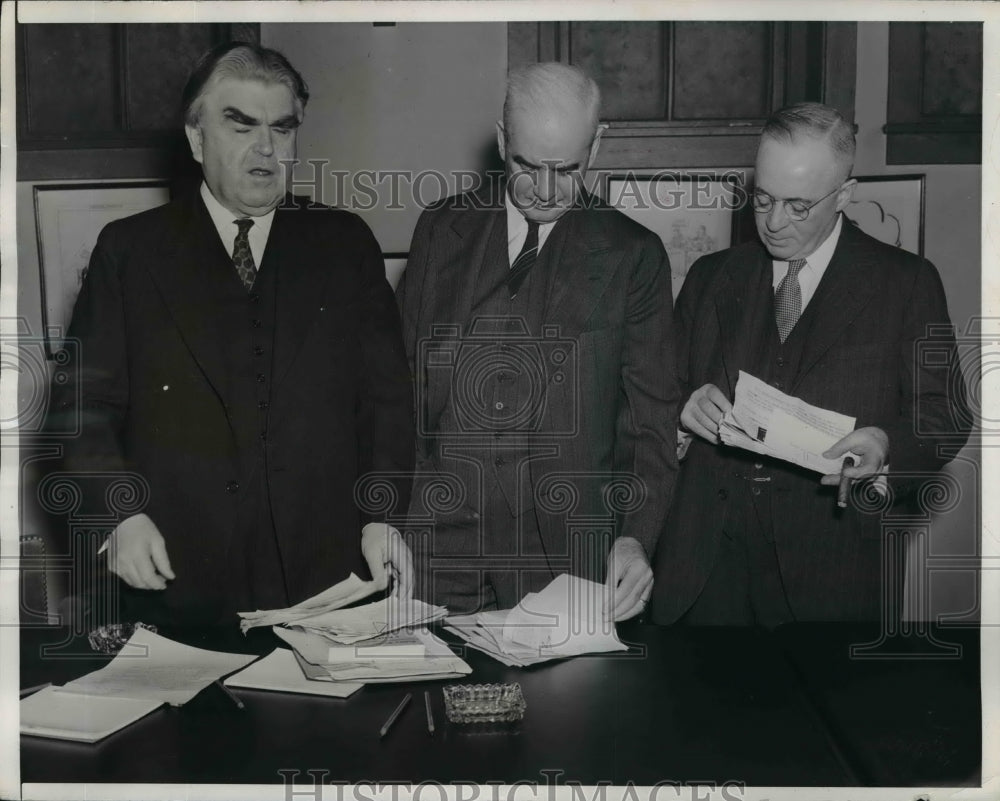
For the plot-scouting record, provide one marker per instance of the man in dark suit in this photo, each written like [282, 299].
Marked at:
[240, 355]
[823, 312]
[537, 323]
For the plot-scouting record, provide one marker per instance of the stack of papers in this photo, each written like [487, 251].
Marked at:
[382, 641]
[563, 620]
[371, 623]
[767, 421]
[338, 596]
[281, 671]
[149, 671]
[314, 654]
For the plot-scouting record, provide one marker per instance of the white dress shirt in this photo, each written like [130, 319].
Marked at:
[816, 264]
[517, 230]
[225, 224]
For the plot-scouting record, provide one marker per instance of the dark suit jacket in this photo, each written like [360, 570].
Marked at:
[611, 298]
[876, 308]
[162, 327]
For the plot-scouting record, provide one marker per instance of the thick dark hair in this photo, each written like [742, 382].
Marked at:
[243, 60]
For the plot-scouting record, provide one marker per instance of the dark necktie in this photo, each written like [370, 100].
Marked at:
[242, 255]
[525, 260]
[788, 299]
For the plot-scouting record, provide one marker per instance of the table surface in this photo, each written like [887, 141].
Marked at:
[789, 708]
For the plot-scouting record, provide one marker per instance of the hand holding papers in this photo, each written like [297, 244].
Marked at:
[565, 619]
[769, 422]
[386, 553]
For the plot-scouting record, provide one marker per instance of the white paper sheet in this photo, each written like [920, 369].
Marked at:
[151, 666]
[280, 671]
[563, 620]
[767, 421]
[346, 592]
[53, 712]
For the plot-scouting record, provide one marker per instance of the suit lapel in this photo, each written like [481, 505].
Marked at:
[303, 271]
[842, 294]
[582, 269]
[739, 279]
[468, 256]
[196, 279]
[462, 252]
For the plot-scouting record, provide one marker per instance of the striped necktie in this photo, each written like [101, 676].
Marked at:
[788, 299]
[242, 255]
[525, 260]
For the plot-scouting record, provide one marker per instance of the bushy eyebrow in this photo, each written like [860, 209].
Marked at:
[242, 118]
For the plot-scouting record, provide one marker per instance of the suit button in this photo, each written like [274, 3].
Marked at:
[498, 406]
[258, 350]
[254, 297]
[256, 323]
[723, 494]
[755, 490]
[778, 385]
[232, 487]
[781, 362]
[260, 378]
[261, 404]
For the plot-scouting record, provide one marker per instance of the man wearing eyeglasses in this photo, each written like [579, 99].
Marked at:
[823, 312]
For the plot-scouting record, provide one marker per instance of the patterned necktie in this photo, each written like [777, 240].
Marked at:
[525, 260]
[242, 255]
[788, 299]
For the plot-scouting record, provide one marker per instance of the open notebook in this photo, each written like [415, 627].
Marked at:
[68, 715]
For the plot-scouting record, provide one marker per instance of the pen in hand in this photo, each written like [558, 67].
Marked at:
[845, 483]
[396, 713]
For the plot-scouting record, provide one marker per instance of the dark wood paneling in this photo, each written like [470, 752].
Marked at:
[935, 87]
[721, 70]
[627, 61]
[952, 69]
[70, 80]
[102, 101]
[157, 61]
[723, 80]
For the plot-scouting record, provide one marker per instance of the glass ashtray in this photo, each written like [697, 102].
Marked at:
[483, 703]
[110, 639]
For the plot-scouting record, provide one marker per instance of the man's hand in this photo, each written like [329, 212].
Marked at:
[138, 554]
[871, 444]
[383, 546]
[630, 580]
[703, 411]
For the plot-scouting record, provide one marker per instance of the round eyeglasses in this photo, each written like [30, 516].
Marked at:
[797, 210]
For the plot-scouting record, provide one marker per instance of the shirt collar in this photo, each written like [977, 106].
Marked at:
[223, 219]
[820, 258]
[517, 225]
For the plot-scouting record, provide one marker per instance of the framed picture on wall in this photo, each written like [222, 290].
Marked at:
[395, 263]
[693, 213]
[891, 209]
[68, 218]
